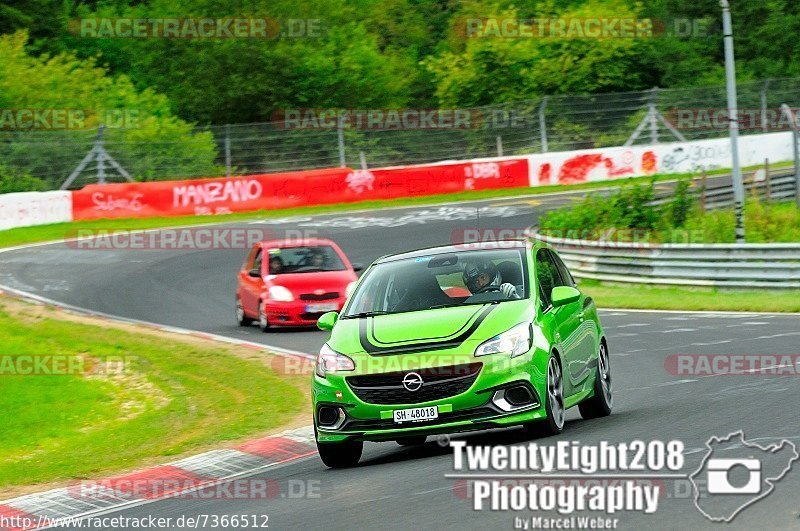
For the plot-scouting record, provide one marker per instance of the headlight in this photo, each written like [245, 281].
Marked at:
[280, 294]
[349, 289]
[329, 360]
[515, 342]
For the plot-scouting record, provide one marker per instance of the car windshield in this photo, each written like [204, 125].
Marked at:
[440, 281]
[304, 260]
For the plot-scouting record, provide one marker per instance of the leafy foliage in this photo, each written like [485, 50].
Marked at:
[151, 139]
[11, 180]
[629, 214]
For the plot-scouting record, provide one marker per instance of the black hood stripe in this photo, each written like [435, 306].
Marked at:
[426, 344]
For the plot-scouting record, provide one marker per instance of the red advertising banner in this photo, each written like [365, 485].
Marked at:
[283, 190]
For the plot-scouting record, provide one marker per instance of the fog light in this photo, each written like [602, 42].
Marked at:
[519, 396]
[330, 417]
[515, 398]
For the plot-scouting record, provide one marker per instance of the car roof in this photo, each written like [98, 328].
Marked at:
[460, 247]
[296, 242]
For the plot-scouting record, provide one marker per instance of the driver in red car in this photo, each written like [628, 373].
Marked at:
[275, 265]
[483, 276]
[316, 258]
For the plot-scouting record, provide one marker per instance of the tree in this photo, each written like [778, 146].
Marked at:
[150, 142]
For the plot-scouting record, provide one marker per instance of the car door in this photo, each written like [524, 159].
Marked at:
[564, 320]
[587, 330]
[251, 287]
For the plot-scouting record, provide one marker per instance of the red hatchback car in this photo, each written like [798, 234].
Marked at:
[293, 282]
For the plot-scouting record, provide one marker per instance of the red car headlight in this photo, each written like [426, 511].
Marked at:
[280, 294]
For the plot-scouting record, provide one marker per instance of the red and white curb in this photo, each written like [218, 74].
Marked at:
[188, 477]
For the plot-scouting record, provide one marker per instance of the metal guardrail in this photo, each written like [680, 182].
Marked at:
[754, 265]
[780, 186]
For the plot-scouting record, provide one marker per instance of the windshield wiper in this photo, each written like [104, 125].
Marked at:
[366, 314]
[440, 306]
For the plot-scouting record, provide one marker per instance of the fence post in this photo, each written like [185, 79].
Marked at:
[363, 157]
[653, 116]
[543, 125]
[499, 146]
[100, 156]
[703, 190]
[785, 109]
[764, 122]
[227, 150]
[340, 139]
[767, 184]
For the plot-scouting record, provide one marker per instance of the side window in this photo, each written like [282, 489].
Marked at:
[257, 261]
[566, 276]
[546, 275]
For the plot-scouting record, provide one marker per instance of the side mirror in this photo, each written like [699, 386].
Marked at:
[357, 267]
[563, 295]
[327, 320]
[255, 273]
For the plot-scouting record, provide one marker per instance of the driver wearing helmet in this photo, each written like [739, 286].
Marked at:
[481, 276]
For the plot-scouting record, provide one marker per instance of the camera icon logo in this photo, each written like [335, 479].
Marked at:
[719, 481]
[736, 473]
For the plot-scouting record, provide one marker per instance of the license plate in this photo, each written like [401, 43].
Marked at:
[320, 308]
[416, 414]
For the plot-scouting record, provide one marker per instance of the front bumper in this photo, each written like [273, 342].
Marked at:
[298, 313]
[473, 409]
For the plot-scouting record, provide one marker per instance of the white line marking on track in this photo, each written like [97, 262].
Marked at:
[721, 342]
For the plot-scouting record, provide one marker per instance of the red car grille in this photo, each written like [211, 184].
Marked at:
[323, 297]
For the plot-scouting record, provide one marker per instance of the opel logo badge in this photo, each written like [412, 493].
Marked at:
[412, 381]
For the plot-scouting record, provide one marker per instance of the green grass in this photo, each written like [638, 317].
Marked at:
[56, 231]
[170, 399]
[764, 223]
[608, 295]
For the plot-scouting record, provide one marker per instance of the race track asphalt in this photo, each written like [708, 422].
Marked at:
[404, 488]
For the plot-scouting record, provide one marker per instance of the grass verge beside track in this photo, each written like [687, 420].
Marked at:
[132, 397]
[638, 296]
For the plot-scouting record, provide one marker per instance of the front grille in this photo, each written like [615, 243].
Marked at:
[438, 383]
[324, 297]
[310, 316]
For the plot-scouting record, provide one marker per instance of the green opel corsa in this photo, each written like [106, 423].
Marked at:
[458, 338]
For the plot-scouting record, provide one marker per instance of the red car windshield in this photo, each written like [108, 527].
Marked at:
[304, 260]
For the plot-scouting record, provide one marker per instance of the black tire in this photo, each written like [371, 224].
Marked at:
[263, 323]
[241, 317]
[340, 455]
[602, 402]
[412, 440]
[553, 404]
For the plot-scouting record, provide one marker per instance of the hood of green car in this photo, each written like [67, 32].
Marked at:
[426, 330]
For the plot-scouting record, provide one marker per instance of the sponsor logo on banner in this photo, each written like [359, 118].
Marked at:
[235, 191]
[482, 170]
[108, 202]
[360, 180]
